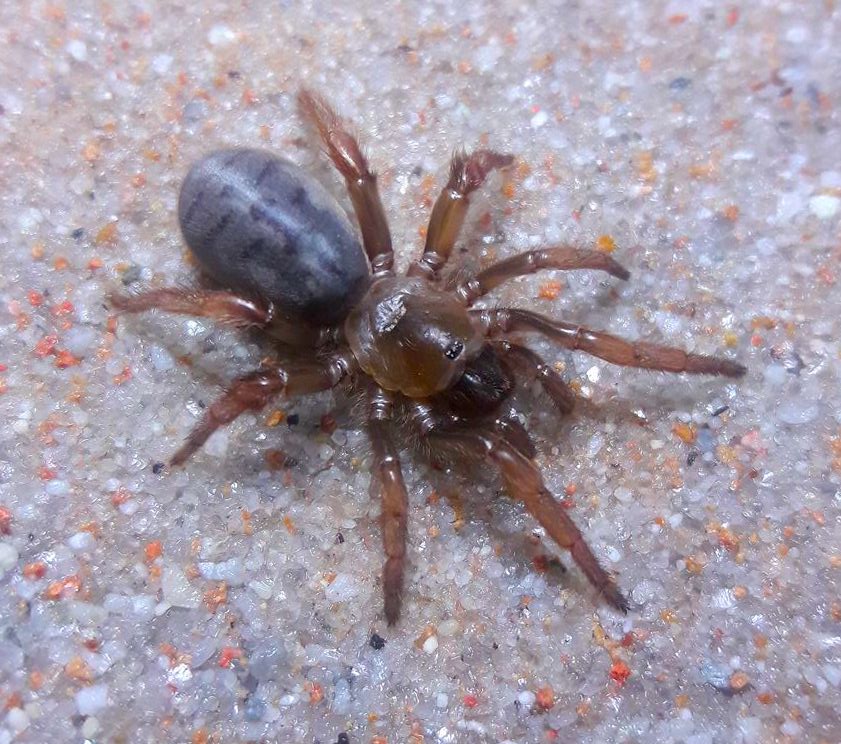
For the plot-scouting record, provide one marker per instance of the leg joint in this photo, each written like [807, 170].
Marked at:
[469, 290]
[428, 266]
[340, 367]
[382, 265]
[381, 406]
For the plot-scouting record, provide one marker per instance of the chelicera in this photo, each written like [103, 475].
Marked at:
[287, 261]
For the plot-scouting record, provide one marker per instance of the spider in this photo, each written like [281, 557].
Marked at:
[287, 261]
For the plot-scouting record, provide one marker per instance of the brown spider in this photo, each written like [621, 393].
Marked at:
[291, 264]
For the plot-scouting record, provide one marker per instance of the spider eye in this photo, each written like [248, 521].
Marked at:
[454, 349]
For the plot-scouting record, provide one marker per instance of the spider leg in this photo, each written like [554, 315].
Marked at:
[531, 362]
[395, 503]
[347, 156]
[524, 482]
[254, 391]
[610, 348]
[222, 307]
[467, 173]
[513, 432]
[561, 257]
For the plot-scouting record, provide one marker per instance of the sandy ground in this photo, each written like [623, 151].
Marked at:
[236, 600]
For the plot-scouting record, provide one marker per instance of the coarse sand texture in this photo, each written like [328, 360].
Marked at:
[238, 598]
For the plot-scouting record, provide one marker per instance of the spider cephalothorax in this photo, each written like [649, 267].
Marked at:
[288, 261]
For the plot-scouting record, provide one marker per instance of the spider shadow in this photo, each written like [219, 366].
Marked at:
[522, 552]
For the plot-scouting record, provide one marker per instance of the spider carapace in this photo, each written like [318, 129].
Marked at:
[286, 260]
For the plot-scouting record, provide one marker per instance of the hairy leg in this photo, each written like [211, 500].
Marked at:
[562, 257]
[350, 161]
[523, 482]
[532, 363]
[467, 173]
[254, 391]
[613, 349]
[395, 503]
[222, 307]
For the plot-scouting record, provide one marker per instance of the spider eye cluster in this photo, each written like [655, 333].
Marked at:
[454, 349]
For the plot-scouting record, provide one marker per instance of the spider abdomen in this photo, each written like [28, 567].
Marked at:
[260, 225]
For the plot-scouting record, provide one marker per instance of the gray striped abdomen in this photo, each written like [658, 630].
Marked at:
[261, 226]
